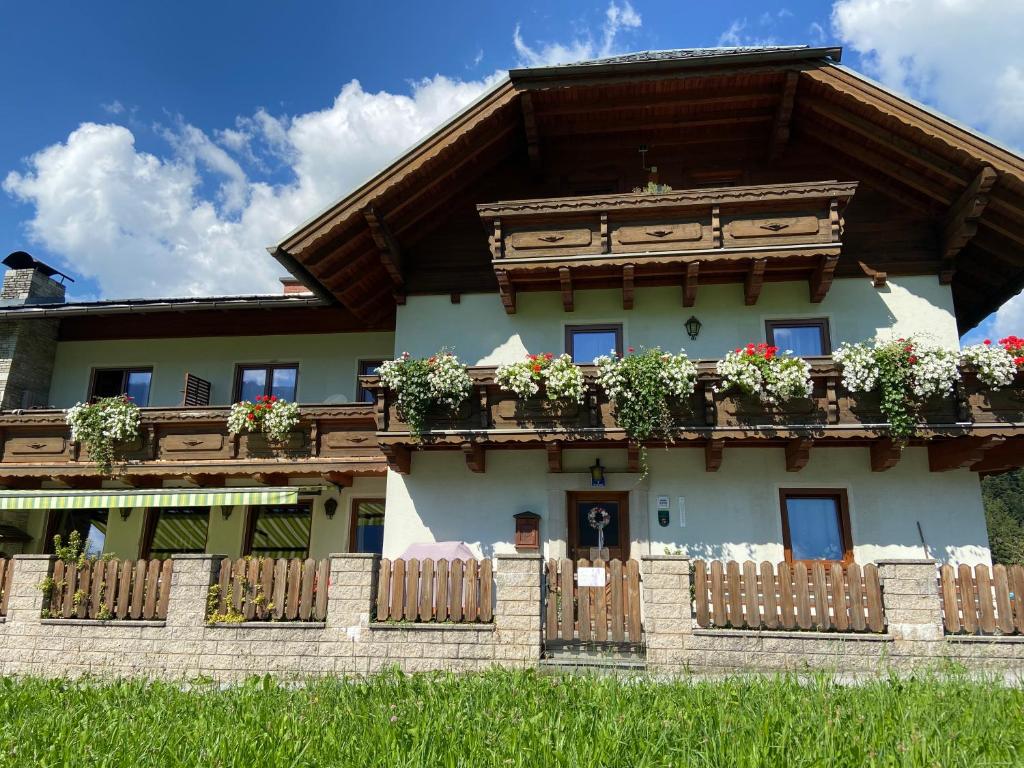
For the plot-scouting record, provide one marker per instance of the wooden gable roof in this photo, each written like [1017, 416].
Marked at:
[936, 197]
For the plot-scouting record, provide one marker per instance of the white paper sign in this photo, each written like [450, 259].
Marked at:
[590, 577]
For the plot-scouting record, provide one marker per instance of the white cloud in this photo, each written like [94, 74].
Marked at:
[196, 220]
[737, 33]
[963, 56]
[617, 19]
[114, 108]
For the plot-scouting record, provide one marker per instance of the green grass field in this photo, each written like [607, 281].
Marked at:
[513, 719]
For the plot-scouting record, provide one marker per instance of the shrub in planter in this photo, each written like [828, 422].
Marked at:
[419, 385]
[560, 376]
[905, 373]
[99, 426]
[642, 387]
[760, 371]
[270, 416]
[995, 365]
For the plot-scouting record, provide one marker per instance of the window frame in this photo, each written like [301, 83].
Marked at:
[360, 389]
[153, 517]
[125, 371]
[236, 393]
[252, 513]
[845, 529]
[353, 522]
[821, 323]
[616, 328]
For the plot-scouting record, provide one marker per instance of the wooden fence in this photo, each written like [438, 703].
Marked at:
[111, 589]
[269, 589]
[608, 614]
[6, 575]
[821, 597]
[457, 591]
[982, 602]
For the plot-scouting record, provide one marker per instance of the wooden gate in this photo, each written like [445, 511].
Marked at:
[607, 616]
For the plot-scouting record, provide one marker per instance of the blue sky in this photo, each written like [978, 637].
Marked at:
[155, 149]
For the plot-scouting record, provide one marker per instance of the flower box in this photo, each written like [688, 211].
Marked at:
[987, 404]
[255, 445]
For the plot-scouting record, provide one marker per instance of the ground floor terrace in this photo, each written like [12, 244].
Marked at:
[609, 556]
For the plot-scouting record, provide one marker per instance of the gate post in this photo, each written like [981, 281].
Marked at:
[667, 610]
[517, 607]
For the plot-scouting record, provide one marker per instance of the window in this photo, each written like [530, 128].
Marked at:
[111, 382]
[585, 342]
[367, 532]
[174, 530]
[252, 381]
[91, 525]
[816, 525]
[366, 368]
[281, 531]
[806, 338]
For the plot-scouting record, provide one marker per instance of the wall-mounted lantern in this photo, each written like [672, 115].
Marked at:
[527, 530]
[597, 475]
[125, 513]
[225, 512]
[693, 326]
[330, 507]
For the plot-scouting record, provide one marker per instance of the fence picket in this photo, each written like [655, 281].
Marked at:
[950, 609]
[567, 627]
[719, 615]
[1017, 585]
[441, 602]
[986, 609]
[323, 584]
[821, 614]
[734, 603]
[801, 596]
[291, 610]
[633, 601]
[471, 592]
[95, 598]
[968, 603]
[486, 591]
[618, 627]
[412, 582]
[551, 604]
[752, 610]
[455, 600]
[601, 606]
[280, 588]
[787, 597]
[266, 582]
[700, 589]
[873, 593]
[426, 608]
[584, 597]
[252, 581]
[770, 590]
[306, 592]
[1004, 620]
[152, 582]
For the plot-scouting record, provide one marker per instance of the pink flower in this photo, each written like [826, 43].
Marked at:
[630, 350]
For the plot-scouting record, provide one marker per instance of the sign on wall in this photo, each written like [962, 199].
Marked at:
[590, 577]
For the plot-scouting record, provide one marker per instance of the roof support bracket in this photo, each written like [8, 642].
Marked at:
[798, 453]
[690, 283]
[754, 281]
[475, 456]
[821, 280]
[959, 452]
[783, 115]
[885, 454]
[390, 253]
[506, 291]
[628, 272]
[713, 451]
[962, 220]
[565, 279]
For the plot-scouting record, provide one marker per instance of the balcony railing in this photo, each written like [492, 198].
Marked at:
[184, 436]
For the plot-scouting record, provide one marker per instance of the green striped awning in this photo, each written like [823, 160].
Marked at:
[157, 497]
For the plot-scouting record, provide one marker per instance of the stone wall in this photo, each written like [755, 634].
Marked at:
[27, 347]
[184, 646]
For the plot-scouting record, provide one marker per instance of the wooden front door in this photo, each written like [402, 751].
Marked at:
[583, 537]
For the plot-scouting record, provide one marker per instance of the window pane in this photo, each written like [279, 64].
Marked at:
[586, 345]
[814, 532]
[367, 368]
[587, 533]
[370, 527]
[254, 383]
[283, 383]
[803, 340]
[179, 531]
[91, 525]
[107, 383]
[281, 531]
[138, 386]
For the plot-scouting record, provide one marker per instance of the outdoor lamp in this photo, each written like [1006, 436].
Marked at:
[693, 327]
[125, 512]
[597, 474]
[330, 507]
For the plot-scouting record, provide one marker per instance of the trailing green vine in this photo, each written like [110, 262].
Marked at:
[99, 426]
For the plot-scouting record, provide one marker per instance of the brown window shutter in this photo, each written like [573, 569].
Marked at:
[197, 391]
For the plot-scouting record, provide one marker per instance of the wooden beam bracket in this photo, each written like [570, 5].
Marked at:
[713, 451]
[755, 279]
[798, 453]
[690, 283]
[821, 280]
[554, 450]
[387, 245]
[475, 456]
[962, 220]
[783, 115]
[565, 280]
[633, 452]
[628, 273]
[959, 452]
[399, 458]
[885, 454]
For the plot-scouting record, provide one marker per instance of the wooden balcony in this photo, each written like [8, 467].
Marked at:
[334, 440]
[685, 238]
[974, 427]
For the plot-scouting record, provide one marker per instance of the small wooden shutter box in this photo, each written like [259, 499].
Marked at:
[527, 530]
[196, 392]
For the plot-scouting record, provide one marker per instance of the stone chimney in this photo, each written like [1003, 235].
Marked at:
[292, 287]
[27, 347]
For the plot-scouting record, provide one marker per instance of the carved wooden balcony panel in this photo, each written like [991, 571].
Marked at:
[730, 234]
[332, 438]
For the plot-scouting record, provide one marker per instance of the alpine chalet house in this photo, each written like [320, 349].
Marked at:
[651, 360]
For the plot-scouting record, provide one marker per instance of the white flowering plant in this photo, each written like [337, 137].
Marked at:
[560, 376]
[905, 372]
[642, 386]
[100, 425]
[995, 365]
[271, 416]
[759, 370]
[419, 385]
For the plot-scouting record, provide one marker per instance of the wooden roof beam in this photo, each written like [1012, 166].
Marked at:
[754, 281]
[959, 452]
[399, 458]
[821, 280]
[633, 457]
[713, 451]
[506, 291]
[885, 454]
[798, 453]
[690, 283]
[565, 281]
[1002, 458]
[387, 245]
[878, 277]
[783, 116]
[476, 456]
[628, 273]
[532, 132]
[554, 456]
[962, 220]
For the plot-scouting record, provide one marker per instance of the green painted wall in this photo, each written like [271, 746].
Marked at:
[327, 363]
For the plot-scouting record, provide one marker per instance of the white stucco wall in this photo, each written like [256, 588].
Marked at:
[483, 334]
[327, 363]
[730, 514]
